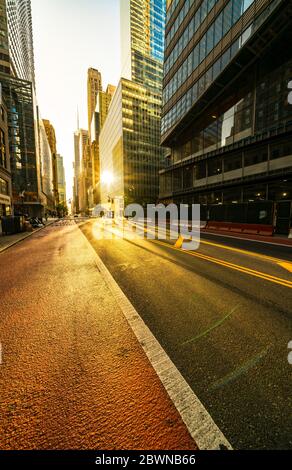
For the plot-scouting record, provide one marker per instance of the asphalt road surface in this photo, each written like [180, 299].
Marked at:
[224, 316]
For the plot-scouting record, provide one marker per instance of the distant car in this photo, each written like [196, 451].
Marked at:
[76, 216]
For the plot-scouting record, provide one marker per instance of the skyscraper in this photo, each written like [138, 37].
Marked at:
[104, 99]
[5, 174]
[19, 43]
[26, 137]
[130, 149]
[226, 114]
[51, 136]
[142, 39]
[82, 171]
[94, 86]
[61, 180]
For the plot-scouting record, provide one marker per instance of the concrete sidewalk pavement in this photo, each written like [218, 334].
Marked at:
[7, 241]
[73, 375]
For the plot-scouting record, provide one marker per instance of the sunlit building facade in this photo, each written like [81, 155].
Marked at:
[130, 156]
[61, 181]
[142, 30]
[94, 86]
[104, 99]
[16, 41]
[226, 115]
[46, 170]
[82, 171]
[51, 136]
[130, 140]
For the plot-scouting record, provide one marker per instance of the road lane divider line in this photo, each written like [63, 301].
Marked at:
[285, 265]
[198, 421]
[231, 248]
[226, 264]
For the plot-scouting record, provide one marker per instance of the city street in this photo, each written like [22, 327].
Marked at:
[227, 330]
[72, 374]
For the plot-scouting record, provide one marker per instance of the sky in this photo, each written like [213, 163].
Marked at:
[69, 37]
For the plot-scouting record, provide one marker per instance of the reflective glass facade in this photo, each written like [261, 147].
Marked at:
[128, 145]
[5, 175]
[22, 138]
[19, 19]
[229, 122]
[130, 141]
[143, 29]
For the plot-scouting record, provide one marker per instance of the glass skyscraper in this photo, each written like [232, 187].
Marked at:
[130, 140]
[226, 115]
[29, 153]
[17, 38]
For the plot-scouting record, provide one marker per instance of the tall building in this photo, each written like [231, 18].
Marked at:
[142, 39]
[94, 86]
[130, 149]
[51, 136]
[76, 166]
[17, 39]
[130, 156]
[61, 181]
[104, 99]
[5, 174]
[26, 137]
[82, 171]
[24, 145]
[226, 115]
[46, 170]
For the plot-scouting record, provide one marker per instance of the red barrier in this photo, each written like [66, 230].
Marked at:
[250, 229]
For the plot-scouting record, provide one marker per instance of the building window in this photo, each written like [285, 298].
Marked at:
[214, 166]
[3, 187]
[256, 156]
[3, 155]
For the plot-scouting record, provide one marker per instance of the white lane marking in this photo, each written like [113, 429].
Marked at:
[198, 421]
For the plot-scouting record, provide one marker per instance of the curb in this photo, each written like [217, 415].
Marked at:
[24, 238]
[205, 433]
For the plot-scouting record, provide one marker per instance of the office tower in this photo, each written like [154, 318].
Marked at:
[142, 39]
[226, 114]
[5, 174]
[61, 180]
[82, 171]
[24, 145]
[16, 20]
[24, 128]
[130, 152]
[51, 136]
[76, 166]
[94, 86]
[46, 170]
[104, 99]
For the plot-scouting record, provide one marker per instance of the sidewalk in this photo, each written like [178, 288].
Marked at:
[74, 375]
[7, 241]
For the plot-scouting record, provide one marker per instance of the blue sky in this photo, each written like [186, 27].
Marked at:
[69, 37]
